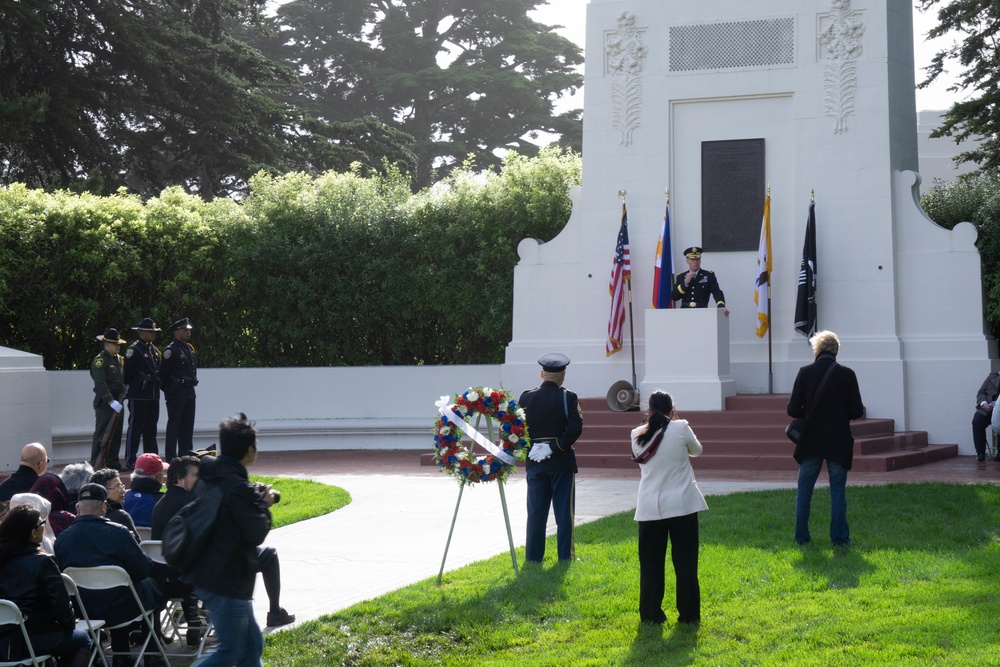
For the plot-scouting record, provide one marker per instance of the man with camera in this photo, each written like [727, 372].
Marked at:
[224, 577]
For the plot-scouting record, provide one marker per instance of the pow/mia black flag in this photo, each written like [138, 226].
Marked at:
[805, 303]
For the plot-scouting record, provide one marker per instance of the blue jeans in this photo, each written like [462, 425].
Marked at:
[809, 469]
[240, 640]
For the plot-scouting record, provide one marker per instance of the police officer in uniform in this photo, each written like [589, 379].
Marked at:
[179, 375]
[142, 375]
[693, 287]
[555, 421]
[109, 390]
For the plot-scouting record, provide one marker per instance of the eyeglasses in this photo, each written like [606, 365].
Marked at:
[116, 487]
[41, 523]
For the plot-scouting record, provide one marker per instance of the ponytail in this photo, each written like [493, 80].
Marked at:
[660, 406]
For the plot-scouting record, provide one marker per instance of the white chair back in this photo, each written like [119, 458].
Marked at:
[154, 549]
[11, 615]
[89, 626]
[104, 577]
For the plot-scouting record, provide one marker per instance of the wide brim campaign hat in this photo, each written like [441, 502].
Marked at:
[110, 336]
[553, 362]
[694, 252]
[147, 324]
[182, 323]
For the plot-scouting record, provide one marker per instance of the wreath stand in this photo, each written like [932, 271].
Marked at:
[458, 503]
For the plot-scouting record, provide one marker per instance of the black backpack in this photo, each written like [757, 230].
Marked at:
[188, 532]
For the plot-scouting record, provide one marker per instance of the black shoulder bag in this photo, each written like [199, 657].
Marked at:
[797, 426]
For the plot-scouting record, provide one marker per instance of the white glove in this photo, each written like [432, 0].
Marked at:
[116, 406]
[540, 451]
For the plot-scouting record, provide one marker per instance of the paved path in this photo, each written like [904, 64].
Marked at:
[394, 531]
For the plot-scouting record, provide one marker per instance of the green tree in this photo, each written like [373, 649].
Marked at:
[153, 93]
[977, 24]
[463, 77]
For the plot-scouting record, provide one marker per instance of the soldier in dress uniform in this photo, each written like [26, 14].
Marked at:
[555, 421]
[179, 376]
[693, 287]
[142, 375]
[109, 391]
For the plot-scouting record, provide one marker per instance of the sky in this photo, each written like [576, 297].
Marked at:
[573, 14]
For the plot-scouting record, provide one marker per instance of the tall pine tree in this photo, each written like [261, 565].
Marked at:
[463, 77]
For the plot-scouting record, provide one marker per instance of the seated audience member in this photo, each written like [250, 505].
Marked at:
[181, 477]
[74, 476]
[92, 540]
[50, 486]
[44, 507]
[30, 579]
[145, 491]
[34, 461]
[110, 479]
[182, 474]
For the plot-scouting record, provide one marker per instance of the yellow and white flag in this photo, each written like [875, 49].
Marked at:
[764, 271]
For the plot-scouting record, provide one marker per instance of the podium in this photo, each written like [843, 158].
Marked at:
[687, 356]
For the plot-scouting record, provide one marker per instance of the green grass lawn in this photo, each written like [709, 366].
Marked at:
[919, 586]
[302, 499]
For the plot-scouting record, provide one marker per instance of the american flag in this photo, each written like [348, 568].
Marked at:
[621, 271]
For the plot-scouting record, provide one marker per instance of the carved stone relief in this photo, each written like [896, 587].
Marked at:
[840, 36]
[625, 57]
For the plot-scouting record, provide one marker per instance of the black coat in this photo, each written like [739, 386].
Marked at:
[94, 540]
[33, 583]
[553, 413]
[166, 507]
[229, 566]
[142, 371]
[828, 434]
[20, 481]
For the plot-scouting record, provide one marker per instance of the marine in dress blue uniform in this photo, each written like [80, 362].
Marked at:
[694, 287]
[109, 388]
[179, 376]
[555, 421]
[142, 375]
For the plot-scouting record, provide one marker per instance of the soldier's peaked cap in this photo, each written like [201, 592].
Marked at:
[182, 323]
[553, 362]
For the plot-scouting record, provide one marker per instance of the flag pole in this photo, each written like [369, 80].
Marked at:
[631, 333]
[812, 201]
[770, 368]
[669, 244]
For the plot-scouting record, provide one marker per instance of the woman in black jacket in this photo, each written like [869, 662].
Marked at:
[30, 579]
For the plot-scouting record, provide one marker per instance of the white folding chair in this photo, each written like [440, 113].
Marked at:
[92, 628]
[144, 532]
[105, 577]
[11, 615]
[174, 624]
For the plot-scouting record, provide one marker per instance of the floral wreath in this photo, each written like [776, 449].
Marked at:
[461, 461]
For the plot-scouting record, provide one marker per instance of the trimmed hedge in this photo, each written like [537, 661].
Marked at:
[330, 271]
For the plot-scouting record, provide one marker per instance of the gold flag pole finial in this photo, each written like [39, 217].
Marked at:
[666, 191]
[768, 189]
[623, 194]
[812, 196]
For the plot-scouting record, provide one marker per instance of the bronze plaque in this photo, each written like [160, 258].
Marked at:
[732, 194]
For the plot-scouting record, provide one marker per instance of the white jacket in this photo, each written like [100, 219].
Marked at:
[667, 487]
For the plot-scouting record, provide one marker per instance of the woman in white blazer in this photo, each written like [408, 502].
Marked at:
[667, 510]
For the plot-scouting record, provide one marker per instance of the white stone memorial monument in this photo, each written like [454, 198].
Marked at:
[829, 88]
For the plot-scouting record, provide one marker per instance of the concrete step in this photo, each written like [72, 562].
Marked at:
[748, 435]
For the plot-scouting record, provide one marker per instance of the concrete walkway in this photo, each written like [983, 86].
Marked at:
[395, 529]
